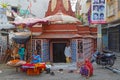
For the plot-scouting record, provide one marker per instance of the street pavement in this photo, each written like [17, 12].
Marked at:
[100, 73]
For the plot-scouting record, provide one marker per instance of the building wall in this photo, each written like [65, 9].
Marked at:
[61, 28]
[113, 39]
[112, 11]
[112, 28]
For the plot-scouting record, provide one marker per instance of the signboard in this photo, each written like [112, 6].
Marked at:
[98, 8]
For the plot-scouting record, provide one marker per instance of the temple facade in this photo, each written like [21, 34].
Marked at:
[50, 39]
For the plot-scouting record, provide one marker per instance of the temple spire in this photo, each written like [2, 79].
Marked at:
[59, 5]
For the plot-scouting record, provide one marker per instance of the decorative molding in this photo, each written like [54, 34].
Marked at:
[65, 3]
[59, 30]
[53, 5]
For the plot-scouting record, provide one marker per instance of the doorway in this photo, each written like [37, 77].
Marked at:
[58, 52]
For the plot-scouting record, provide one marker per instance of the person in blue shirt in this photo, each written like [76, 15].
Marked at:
[36, 58]
[21, 52]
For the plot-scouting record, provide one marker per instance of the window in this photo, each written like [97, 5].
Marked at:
[36, 45]
[118, 5]
[79, 50]
[80, 46]
[110, 10]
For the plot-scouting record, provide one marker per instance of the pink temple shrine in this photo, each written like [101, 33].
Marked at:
[50, 38]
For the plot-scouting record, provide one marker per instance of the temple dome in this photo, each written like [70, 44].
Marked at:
[61, 18]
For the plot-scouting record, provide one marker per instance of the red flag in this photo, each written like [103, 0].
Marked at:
[29, 6]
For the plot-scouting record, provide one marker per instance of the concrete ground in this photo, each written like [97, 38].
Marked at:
[100, 73]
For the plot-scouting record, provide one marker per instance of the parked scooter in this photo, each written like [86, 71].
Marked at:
[105, 58]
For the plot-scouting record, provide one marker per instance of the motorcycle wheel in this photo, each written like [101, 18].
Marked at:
[111, 62]
[98, 61]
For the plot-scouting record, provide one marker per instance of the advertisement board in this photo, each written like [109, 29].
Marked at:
[98, 8]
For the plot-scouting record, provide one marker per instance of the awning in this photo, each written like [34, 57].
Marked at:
[21, 39]
[29, 21]
[111, 25]
[55, 35]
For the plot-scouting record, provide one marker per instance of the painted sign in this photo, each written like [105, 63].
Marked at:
[98, 8]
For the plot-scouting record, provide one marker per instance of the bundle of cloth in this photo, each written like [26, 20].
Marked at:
[86, 69]
[16, 62]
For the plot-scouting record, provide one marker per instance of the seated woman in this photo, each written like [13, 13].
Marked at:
[36, 58]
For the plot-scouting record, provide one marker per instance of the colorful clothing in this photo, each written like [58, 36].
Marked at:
[87, 69]
[21, 53]
[36, 59]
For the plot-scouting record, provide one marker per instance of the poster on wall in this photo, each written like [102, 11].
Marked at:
[98, 8]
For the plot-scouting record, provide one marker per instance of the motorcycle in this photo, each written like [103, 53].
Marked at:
[105, 58]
